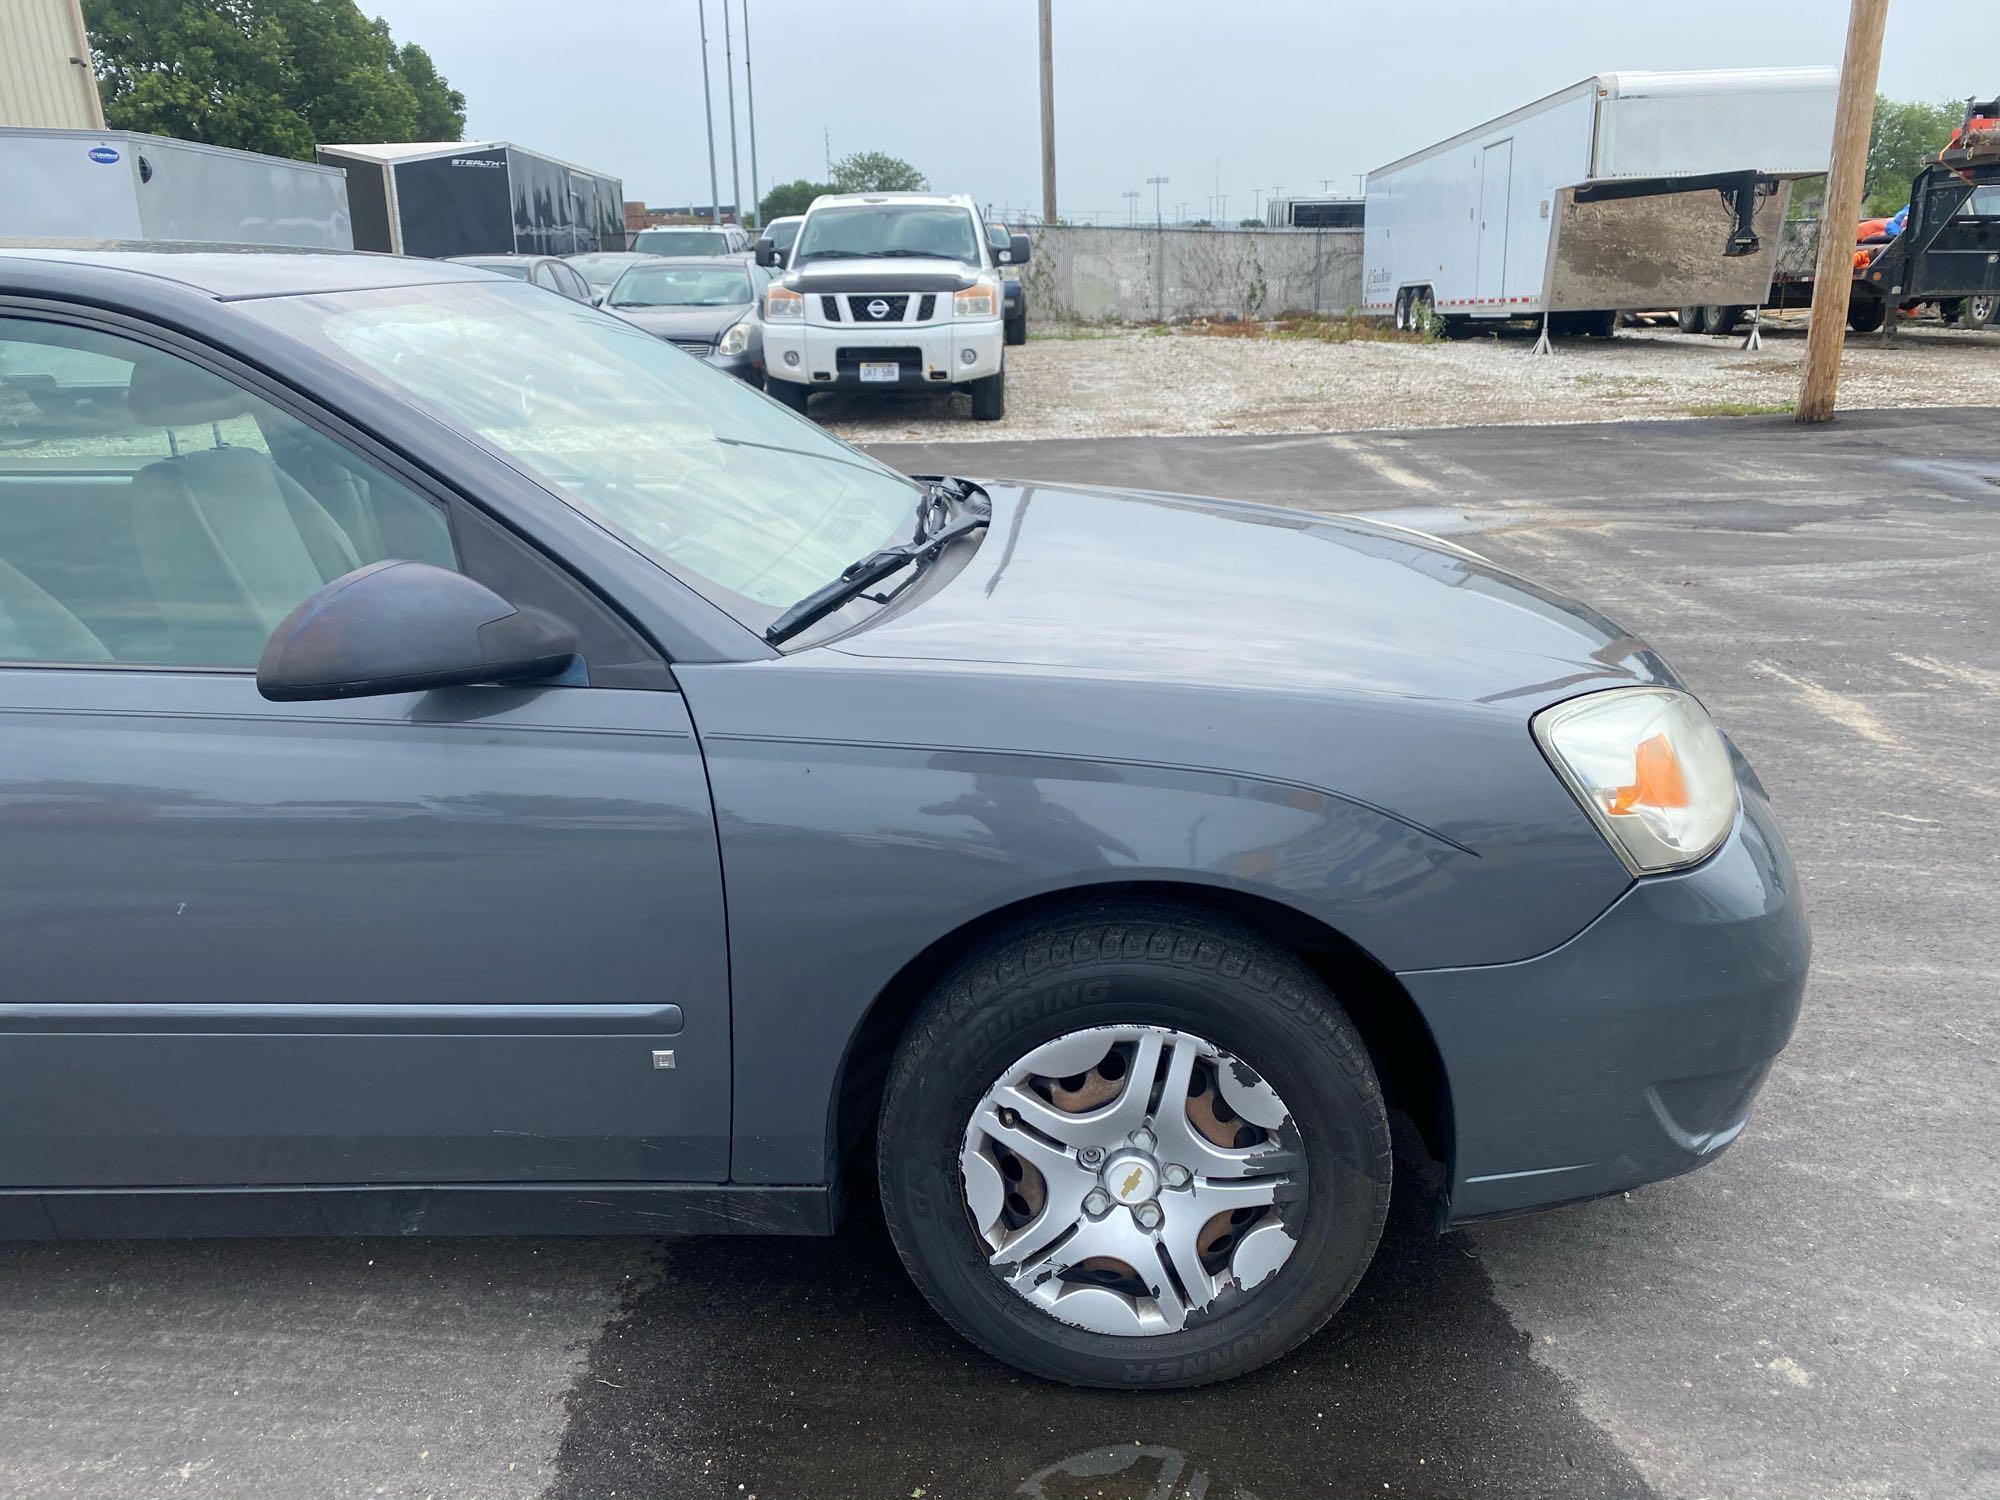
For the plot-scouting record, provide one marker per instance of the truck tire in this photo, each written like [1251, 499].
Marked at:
[1865, 312]
[1017, 330]
[790, 393]
[989, 397]
[1721, 321]
[1199, 1019]
[1692, 319]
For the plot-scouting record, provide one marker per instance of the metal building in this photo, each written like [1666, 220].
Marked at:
[45, 77]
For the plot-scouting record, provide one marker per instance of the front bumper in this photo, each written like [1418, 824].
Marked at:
[748, 365]
[934, 356]
[1632, 1052]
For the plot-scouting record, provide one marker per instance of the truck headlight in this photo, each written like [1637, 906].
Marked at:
[982, 301]
[1650, 769]
[782, 303]
[736, 340]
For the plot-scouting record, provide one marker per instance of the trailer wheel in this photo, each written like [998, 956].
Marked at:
[1979, 312]
[1865, 313]
[1403, 311]
[1423, 310]
[1722, 321]
[1692, 319]
[1599, 325]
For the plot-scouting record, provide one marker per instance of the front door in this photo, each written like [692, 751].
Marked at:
[464, 936]
[1496, 173]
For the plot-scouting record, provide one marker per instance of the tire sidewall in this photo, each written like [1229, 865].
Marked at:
[1297, 1045]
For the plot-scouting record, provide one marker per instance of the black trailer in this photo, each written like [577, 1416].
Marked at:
[440, 198]
[1949, 249]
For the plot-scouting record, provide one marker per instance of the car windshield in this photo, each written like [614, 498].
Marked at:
[861, 230]
[1984, 202]
[681, 286]
[749, 504]
[681, 242]
[601, 271]
[784, 232]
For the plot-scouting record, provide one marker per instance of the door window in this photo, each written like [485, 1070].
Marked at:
[155, 514]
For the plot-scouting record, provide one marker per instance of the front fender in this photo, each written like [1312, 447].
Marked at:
[845, 859]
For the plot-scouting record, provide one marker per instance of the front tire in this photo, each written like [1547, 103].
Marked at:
[1017, 331]
[1157, 1010]
[989, 397]
[789, 393]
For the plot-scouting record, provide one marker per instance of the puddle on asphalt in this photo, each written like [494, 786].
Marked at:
[812, 1370]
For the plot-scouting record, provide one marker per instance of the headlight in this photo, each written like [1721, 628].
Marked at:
[736, 340]
[782, 302]
[1649, 768]
[982, 301]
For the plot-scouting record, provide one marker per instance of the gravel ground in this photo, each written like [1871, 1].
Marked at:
[1133, 384]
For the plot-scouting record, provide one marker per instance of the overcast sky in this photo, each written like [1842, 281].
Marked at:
[1278, 92]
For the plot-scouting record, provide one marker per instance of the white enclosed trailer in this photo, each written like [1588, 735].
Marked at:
[122, 185]
[1625, 190]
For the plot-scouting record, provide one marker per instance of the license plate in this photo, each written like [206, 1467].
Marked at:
[887, 374]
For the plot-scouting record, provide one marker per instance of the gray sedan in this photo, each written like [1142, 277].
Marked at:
[470, 769]
[707, 307]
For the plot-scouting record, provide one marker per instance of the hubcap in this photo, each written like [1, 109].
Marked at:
[1124, 1178]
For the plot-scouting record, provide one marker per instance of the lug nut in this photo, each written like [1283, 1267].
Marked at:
[1148, 1215]
[1143, 1139]
[1174, 1175]
[1090, 1156]
[1097, 1203]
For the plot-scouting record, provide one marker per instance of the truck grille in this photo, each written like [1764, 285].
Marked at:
[926, 305]
[830, 306]
[701, 347]
[893, 307]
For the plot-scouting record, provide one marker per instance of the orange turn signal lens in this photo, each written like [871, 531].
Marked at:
[1656, 780]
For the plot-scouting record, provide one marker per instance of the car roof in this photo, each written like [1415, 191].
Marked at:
[499, 260]
[232, 271]
[725, 262]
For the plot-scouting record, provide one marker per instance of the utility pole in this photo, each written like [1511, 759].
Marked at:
[729, 80]
[1833, 274]
[708, 114]
[750, 105]
[1048, 115]
[1159, 251]
[827, 136]
[1154, 183]
[1271, 204]
[1256, 203]
[1131, 197]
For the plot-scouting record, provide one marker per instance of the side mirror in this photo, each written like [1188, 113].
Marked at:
[402, 627]
[767, 253]
[597, 298]
[1018, 250]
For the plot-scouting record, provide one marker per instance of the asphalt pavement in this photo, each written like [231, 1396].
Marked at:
[1817, 1314]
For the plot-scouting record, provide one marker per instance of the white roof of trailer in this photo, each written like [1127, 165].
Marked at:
[1643, 84]
[402, 151]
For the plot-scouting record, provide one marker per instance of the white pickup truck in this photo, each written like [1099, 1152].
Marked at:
[890, 292]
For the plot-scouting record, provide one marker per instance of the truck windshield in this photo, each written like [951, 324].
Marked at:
[681, 286]
[861, 230]
[681, 242]
[749, 505]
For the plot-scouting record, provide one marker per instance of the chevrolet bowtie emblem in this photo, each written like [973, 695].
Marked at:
[1131, 1184]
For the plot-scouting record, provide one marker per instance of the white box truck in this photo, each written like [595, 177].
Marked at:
[124, 185]
[1626, 190]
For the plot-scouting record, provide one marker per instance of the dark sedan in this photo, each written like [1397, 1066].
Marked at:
[707, 307]
[470, 769]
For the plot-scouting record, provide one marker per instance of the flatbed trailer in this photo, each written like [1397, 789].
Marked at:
[1948, 252]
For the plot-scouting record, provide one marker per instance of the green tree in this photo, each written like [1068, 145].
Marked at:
[877, 172]
[277, 76]
[1907, 133]
[790, 198]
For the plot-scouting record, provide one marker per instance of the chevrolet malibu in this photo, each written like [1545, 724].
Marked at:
[466, 767]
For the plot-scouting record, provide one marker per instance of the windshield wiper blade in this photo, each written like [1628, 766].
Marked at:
[863, 574]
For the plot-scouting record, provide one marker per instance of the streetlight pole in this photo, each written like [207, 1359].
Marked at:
[1833, 274]
[750, 106]
[1131, 197]
[729, 82]
[708, 114]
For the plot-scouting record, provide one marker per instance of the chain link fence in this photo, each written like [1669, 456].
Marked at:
[1798, 247]
[1091, 274]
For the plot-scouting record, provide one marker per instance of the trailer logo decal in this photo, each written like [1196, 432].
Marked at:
[467, 161]
[103, 155]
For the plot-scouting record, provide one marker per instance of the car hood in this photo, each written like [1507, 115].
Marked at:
[1135, 585]
[926, 273]
[684, 322]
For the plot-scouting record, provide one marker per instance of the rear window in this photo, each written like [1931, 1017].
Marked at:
[682, 242]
